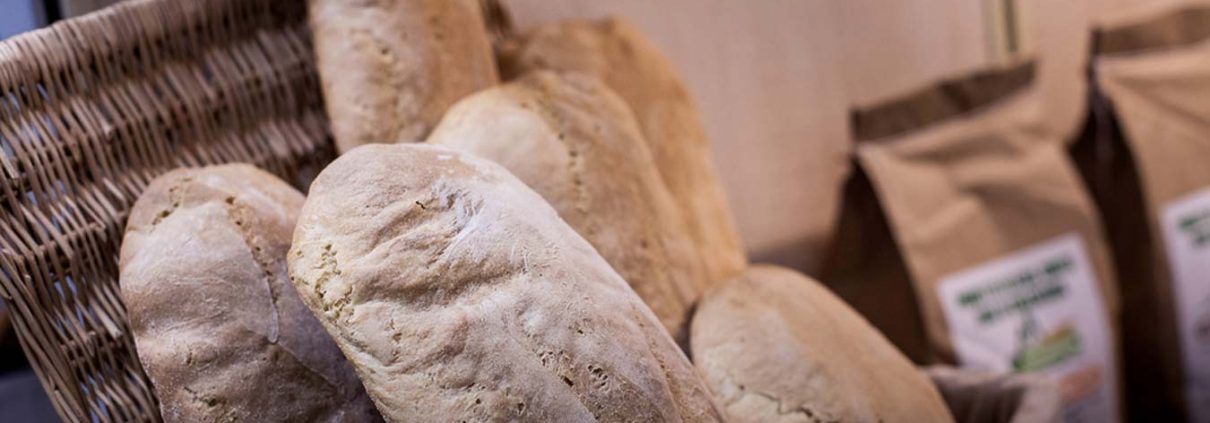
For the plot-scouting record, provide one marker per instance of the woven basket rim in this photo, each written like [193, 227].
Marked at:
[91, 109]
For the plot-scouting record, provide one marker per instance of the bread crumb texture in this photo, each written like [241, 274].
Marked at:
[572, 140]
[217, 325]
[615, 51]
[390, 68]
[776, 346]
[460, 295]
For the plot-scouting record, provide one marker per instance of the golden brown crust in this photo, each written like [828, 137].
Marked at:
[218, 327]
[776, 346]
[390, 68]
[459, 294]
[571, 139]
[614, 51]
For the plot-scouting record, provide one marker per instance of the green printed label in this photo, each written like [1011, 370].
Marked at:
[1038, 310]
[1186, 229]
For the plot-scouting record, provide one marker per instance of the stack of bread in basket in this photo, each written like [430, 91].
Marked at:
[526, 227]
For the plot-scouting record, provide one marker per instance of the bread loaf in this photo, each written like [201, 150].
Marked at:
[218, 327]
[391, 67]
[572, 140]
[778, 347]
[614, 51]
[459, 295]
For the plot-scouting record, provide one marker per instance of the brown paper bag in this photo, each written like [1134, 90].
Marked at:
[968, 237]
[1149, 170]
[982, 397]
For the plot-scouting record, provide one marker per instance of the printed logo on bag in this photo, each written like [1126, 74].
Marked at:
[1038, 310]
[1186, 227]
[1196, 227]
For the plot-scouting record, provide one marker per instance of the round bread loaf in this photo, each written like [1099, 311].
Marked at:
[776, 346]
[218, 327]
[390, 68]
[460, 295]
[571, 139]
[616, 52]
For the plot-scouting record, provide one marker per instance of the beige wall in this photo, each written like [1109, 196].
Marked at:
[891, 46]
[774, 80]
[765, 75]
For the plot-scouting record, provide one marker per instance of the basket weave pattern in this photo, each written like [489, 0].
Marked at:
[91, 110]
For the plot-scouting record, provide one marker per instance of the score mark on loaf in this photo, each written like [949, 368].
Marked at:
[219, 329]
[459, 294]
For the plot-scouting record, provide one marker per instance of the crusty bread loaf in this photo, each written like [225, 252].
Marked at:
[460, 295]
[218, 326]
[778, 347]
[390, 68]
[614, 51]
[571, 139]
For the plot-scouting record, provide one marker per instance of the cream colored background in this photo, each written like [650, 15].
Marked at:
[774, 80]
[765, 76]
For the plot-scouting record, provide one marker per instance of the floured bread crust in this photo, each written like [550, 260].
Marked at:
[776, 346]
[571, 139]
[460, 295]
[616, 52]
[390, 68]
[219, 328]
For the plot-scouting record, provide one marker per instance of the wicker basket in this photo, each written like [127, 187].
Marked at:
[91, 110]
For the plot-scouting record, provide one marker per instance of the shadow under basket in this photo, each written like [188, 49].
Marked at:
[92, 109]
